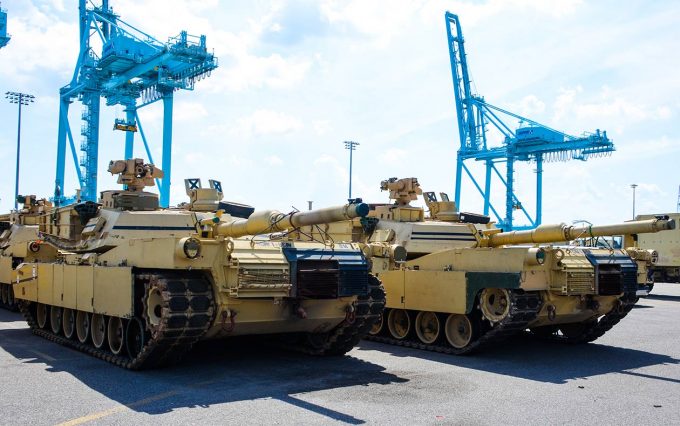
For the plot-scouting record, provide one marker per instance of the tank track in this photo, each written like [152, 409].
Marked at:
[524, 308]
[344, 337]
[13, 307]
[187, 313]
[597, 328]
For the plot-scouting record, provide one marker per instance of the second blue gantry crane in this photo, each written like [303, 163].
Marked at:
[532, 141]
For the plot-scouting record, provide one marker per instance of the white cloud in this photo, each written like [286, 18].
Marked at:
[39, 44]
[189, 111]
[384, 21]
[272, 71]
[273, 160]
[530, 105]
[265, 122]
[321, 127]
[393, 156]
[609, 105]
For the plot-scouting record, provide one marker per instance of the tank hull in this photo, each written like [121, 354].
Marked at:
[143, 286]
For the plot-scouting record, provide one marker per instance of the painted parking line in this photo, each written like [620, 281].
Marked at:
[119, 409]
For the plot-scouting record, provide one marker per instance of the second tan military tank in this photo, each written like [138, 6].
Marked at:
[19, 242]
[138, 286]
[456, 283]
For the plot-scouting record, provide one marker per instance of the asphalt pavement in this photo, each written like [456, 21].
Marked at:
[629, 376]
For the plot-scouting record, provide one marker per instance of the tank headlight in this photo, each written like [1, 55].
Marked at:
[536, 256]
[190, 247]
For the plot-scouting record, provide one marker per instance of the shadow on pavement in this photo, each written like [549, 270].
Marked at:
[664, 297]
[540, 360]
[215, 372]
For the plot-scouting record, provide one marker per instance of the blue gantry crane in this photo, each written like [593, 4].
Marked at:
[531, 141]
[134, 70]
[4, 37]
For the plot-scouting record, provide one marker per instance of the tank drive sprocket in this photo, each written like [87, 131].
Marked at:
[185, 306]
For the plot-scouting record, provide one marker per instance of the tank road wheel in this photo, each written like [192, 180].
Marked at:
[98, 330]
[68, 317]
[399, 323]
[82, 326]
[116, 335]
[460, 330]
[134, 337]
[41, 315]
[427, 327]
[495, 304]
[11, 300]
[377, 326]
[55, 319]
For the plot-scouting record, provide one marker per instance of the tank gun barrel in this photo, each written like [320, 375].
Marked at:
[563, 232]
[274, 221]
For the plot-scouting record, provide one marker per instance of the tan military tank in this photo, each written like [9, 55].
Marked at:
[19, 242]
[138, 286]
[455, 282]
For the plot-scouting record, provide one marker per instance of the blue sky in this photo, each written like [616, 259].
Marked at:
[297, 78]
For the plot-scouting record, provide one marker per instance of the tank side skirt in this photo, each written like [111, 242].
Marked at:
[180, 325]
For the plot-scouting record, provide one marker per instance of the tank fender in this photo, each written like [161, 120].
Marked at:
[475, 282]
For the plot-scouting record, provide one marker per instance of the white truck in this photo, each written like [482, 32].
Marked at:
[667, 244]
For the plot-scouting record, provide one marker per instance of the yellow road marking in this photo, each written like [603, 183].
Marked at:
[116, 410]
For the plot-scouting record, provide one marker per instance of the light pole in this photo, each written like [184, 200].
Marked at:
[351, 146]
[634, 185]
[21, 99]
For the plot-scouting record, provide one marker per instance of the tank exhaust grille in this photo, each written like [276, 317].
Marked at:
[253, 278]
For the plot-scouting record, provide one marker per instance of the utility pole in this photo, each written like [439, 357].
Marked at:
[633, 186]
[351, 146]
[20, 99]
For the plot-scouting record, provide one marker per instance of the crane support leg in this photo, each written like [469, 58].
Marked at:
[487, 187]
[130, 115]
[61, 151]
[167, 149]
[459, 176]
[539, 189]
[509, 194]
